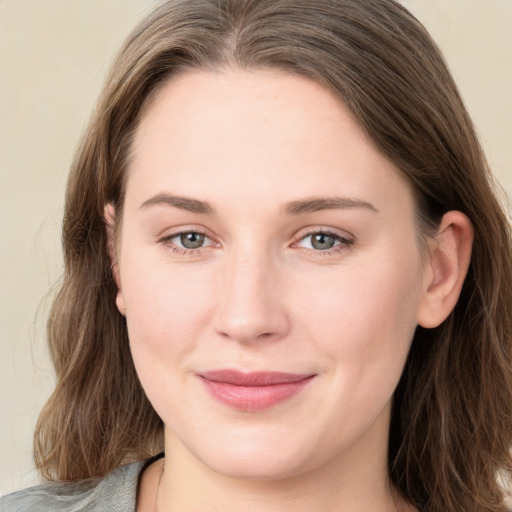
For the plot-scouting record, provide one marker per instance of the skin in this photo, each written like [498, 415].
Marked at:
[259, 296]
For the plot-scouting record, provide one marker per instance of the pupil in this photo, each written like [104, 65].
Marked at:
[192, 240]
[322, 242]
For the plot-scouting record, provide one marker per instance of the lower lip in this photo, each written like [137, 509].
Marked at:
[254, 398]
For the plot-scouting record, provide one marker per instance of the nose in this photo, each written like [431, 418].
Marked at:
[251, 301]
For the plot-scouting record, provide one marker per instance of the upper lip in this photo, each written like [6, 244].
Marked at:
[239, 378]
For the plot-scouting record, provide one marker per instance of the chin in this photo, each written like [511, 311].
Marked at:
[266, 465]
[257, 455]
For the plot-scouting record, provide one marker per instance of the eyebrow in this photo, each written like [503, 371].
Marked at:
[309, 205]
[183, 203]
[315, 204]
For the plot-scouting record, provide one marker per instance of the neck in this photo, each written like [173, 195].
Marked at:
[187, 485]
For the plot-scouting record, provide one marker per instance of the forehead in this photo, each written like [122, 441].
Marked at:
[246, 105]
[258, 131]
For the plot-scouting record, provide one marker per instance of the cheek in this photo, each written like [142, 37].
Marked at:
[166, 308]
[364, 318]
[166, 311]
[362, 321]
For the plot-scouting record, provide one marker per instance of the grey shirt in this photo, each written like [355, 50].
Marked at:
[117, 492]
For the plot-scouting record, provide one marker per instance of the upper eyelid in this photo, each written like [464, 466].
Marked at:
[344, 235]
[172, 232]
[170, 236]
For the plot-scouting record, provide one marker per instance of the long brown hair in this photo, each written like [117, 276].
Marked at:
[451, 426]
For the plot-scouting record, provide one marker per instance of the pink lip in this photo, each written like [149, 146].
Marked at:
[253, 391]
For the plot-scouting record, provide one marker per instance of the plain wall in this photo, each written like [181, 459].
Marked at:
[53, 57]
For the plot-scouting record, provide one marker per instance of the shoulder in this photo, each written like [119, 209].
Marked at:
[114, 493]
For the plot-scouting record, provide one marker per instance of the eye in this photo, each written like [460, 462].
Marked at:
[323, 241]
[187, 240]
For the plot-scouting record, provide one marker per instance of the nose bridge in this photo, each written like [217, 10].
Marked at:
[250, 306]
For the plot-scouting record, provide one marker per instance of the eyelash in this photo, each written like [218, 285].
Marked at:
[183, 251]
[344, 243]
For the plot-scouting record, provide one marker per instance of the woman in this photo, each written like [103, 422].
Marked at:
[286, 268]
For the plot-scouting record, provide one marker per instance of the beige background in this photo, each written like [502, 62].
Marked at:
[53, 56]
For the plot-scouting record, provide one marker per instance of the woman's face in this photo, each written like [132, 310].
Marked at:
[270, 273]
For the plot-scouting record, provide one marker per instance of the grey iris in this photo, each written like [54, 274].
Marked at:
[322, 241]
[192, 240]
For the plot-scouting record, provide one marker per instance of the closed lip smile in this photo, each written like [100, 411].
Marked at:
[253, 391]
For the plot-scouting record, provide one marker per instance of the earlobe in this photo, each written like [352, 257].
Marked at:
[120, 302]
[446, 269]
[109, 214]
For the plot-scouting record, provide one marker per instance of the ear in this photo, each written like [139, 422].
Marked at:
[449, 258]
[110, 215]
